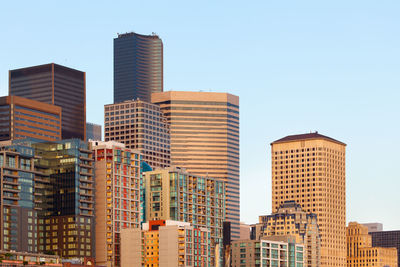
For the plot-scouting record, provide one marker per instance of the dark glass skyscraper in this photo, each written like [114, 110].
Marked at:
[138, 66]
[57, 85]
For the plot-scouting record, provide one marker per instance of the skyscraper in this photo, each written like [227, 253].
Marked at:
[310, 169]
[67, 226]
[117, 193]
[139, 125]
[205, 139]
[57, 85]
[22, 197]
[174, 194]
[138, 66]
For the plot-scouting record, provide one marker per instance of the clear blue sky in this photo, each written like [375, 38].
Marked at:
[298, 66]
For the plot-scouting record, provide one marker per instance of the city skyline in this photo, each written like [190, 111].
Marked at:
[363, 64]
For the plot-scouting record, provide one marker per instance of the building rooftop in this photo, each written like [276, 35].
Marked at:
[307, 136]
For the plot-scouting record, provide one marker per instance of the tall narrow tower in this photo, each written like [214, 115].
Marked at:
[138, 66]
[310, 169]
[204, 130]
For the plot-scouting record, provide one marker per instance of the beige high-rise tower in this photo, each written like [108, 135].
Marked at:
[204, 130]
[310, 169]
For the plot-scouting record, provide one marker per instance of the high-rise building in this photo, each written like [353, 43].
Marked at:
[139, 125]
[21, 196]
[374, 227]
[387, 239]
[67, 227]
[360, 251]
[93, 132]
[310, 170]
[174, 194]
[117, 171]
[22, 118]
[268, 251]
[165, 243]
[291, 219]
[57, 85]
[205, 140]
[138, 66]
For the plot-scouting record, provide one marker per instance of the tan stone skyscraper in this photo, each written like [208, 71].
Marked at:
[205, 139]
[310, 169]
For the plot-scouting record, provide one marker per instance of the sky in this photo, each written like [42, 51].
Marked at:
[297, 66]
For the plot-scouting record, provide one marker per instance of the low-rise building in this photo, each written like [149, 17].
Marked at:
[21, 259]
[360, 251]
[268, 251]
[387, 239]
[165, 243]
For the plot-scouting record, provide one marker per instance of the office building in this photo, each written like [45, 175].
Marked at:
[22, 118]
[205, 139]
[387, 239]
[174, 194]
[22, 194]
[165, 243]
[56, 85]
[117, 193]
[291, 219]
[138, 66]
[360, 251]
[310, 170]
[139, 125]
[93, 132]
[66, 228]
[269, 252]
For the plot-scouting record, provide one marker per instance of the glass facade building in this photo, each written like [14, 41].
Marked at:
[68, 227]
[174, 194]
[138, 66]
[56, 85]
[22, 193]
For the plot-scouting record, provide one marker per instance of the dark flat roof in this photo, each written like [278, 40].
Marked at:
[298, 137]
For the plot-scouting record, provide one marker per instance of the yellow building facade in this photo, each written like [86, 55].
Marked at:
[360, 252]
[310, 169]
